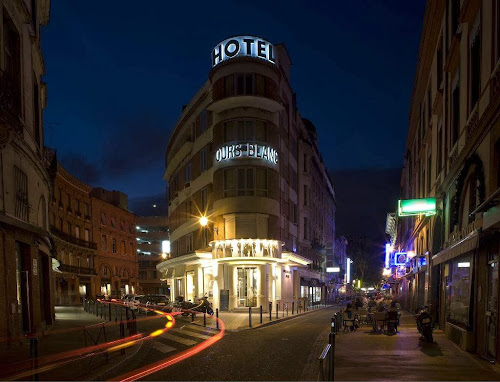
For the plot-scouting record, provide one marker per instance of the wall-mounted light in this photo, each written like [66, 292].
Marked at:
[203, 221]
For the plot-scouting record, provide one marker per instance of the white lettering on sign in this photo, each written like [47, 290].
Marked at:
[243, 46]
[250, 150]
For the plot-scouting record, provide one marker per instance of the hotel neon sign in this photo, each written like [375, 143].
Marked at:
[412, 207]
[250, 150]
[243, 46]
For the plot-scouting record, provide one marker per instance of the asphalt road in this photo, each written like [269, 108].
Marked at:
[277, 352]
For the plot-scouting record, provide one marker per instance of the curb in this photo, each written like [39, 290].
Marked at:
[276, 321]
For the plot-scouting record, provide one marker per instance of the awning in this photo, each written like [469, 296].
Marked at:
[467, 244]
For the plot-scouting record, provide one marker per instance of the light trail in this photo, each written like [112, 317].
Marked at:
[153, 368]
[50, 362]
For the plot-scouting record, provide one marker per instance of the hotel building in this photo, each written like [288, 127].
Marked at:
[453, 155]
[251, 207]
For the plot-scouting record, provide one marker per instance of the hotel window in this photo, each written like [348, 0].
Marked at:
[203, 121]
[123, 250]
[455, 14]
[60, 224]
[439, 65]
[204, 237]
[294, 213]
[68, 227]
[242, 130]
[429, 162]
[245, 182]
[77, 231]
[104, 243]
[439, 147]
[87, 234]
[114, 245]
[189, 243]
[203, 159]
[475, 63]
[305, 163]
[455, 111]
[86, 209]
[204, 204]
[68, 201]
[59, 194]
[77, 206]
[293, 179]
[113, 222]
[306, 231]
[104, 220]
[306, 195]
[429, 102]
[188, 173]
[36, 110]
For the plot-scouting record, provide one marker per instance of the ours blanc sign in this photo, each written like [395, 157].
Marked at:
[243, 46]
[250, 150]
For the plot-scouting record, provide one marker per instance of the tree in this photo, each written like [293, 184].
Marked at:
[367, 259]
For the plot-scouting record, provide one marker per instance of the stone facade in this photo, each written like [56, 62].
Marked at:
[26, 291]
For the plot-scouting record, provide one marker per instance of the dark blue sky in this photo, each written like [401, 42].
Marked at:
[118, 73]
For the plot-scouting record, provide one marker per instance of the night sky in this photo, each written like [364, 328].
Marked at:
[118, 74]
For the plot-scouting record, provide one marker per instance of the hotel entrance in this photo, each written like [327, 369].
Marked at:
[247, 287]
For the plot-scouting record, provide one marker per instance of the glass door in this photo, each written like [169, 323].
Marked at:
[491, 308]
[247, 287]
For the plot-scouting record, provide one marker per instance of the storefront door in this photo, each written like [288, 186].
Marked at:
[247, 287]
[492, 308]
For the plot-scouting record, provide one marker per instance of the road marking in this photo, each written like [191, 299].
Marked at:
[204, 330]
[191, 334]
[181, 340]
[162, 347]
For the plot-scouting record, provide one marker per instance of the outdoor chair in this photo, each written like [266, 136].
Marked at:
[392, 318]
[379, 319]
[363, 315]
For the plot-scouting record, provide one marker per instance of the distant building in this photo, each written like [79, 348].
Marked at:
[26, 293]
[115, 234]
[152, 247]
[70, 217]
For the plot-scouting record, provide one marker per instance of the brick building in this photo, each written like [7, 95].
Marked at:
[26, 295]
[114, 231]
[70, 217]
[251, 207]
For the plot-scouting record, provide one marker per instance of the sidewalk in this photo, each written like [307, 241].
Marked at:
[363, 355]
[236, 321]
[67, 334]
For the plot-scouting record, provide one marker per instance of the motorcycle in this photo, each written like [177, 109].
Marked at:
[424, 324]
[187, 307]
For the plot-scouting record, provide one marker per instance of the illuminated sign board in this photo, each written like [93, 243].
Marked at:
[250, 150]
[165, 246]
[400, 258]
[332, 269]
[243, 46]
[412, 207]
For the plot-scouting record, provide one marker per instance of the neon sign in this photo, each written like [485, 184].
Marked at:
[412, 207]
[400, 258]
[243, 46]
[250, 150]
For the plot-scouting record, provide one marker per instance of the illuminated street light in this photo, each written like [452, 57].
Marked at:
[203, 221]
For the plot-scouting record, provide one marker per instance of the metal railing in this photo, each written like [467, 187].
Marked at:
[77, 270]
[71, 239]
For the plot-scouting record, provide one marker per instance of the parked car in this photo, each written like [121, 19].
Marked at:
[134, 301]
[155, 300]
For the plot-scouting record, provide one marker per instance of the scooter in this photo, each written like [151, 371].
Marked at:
[424, 324]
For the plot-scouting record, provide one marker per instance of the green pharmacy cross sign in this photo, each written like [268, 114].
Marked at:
[412, 207]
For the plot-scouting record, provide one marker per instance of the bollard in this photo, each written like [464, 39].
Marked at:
[261, 314]
[249, 317]
[270, 311]
[116, 314]
[134, 323]
[217, 318]
[298, 307]
[331, 340]
[192, 317]
[96, 309]
[333, 328]
[283, 310]
[34, 356]
[287, 309]
[204, 319]
[293, 305]
[122, 335]
[277, 310]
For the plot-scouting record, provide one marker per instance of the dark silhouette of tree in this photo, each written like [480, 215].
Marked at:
[367, 259]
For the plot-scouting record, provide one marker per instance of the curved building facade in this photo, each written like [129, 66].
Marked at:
[251, 208]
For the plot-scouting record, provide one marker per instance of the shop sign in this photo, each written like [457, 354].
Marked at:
[243, 46]
[412, 207]
[250, 150]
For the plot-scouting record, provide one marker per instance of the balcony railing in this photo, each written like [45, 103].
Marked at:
[71, 239]
[77, 270]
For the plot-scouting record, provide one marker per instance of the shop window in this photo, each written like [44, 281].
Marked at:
[458, 275]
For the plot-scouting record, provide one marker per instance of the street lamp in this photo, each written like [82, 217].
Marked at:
[203, 221]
